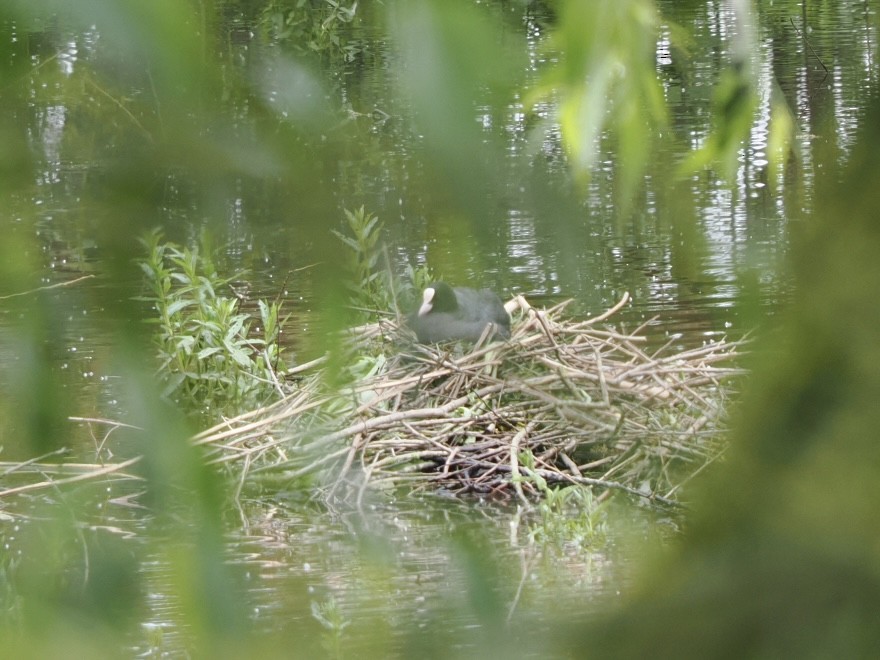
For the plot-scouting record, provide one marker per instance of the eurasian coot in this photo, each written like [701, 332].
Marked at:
[459, 313]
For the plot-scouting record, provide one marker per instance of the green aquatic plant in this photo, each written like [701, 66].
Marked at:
[368, 282]
[564, 516]
[330, 615]
[373, 287]
[314, 27]
[213, 354]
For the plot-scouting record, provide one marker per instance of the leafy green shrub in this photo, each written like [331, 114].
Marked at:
[213, 355]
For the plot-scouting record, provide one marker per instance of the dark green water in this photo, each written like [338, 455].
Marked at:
[704, 260]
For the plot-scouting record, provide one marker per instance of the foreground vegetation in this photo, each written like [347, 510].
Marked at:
[119, 116]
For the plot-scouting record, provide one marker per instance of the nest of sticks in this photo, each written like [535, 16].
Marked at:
[561, 402]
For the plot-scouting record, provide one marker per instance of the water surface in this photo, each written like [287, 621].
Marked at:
[698, 258]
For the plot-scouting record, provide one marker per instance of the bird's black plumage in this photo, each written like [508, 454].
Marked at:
[448, 313]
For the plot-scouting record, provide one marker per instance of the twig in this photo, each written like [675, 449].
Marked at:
[109, 469]
[47, 287]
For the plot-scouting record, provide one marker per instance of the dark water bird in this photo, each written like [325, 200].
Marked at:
[460, 313]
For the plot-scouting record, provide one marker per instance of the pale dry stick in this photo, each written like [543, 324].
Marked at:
[431, 375]
[423, 440]
[570, 464]
[305, 366]
[532, 386]
[232, 451]
[592, 465]
[269, 445]
[384, 392]
[226, 428]
[517, 304]
[706, 407]
[663, 388]
[268, 442]
[611, 312]
[687, 387]
[628, 343]
[393, 418]
[241, 480]
[614, 342]
[689, 355]
[461, 363]
[401, 461]
[620, 462]
[15, 467]
[47, 287]
[238, 453]
[693, 474]
[659, 352]
[304, 397]
[571, 372]
[603, 385]
[101, 420]
[397, 444]
[68, 480]
[683, 451]
[619, 373]
[450, 458]
[293, 473]
[525, 571]
[703, 375]
[548, 333]
[683, 361]
[212, 435]
[697, 425]
[607, 331]
[575, 391]
[392, 453]
[100, 444]
[542, 462]
[268, 362]
[134, 120]
[641, 328]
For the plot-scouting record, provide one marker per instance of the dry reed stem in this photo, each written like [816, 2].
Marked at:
[87, 472]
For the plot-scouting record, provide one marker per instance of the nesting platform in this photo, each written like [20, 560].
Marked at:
[563, 401]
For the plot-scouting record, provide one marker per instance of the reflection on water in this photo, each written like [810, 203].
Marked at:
[687, 255]
[405, 567]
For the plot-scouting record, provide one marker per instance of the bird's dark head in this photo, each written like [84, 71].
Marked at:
[438, 297]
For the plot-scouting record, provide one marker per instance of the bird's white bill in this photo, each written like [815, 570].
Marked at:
[427, 301]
